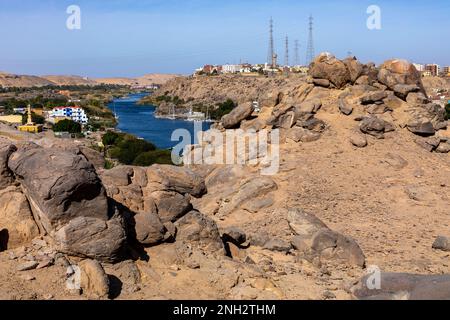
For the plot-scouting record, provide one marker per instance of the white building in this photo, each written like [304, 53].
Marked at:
[76, 114]
[419, 67]
[231, 68]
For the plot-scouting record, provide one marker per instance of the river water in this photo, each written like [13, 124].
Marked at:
[141, 122]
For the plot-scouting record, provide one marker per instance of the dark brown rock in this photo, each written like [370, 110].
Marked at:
[326, 66]
[60, 186]
[442, 243]
[235, 117]
[402, 286]
[196, 228]
[354, 67]
[93, 238]
[6, 176]
[179, 179]
[395, 72]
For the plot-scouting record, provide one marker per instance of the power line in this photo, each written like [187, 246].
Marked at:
[310, 54]
[286, 53]
[297, 57]
[271, 44]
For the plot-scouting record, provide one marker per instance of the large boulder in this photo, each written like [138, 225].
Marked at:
[171, 205]
[6, 176]
[196, 228]
[93, 280]
[59, 185]
[69, 202]
[375, 126]
[237, 115]
[94, 238]
[149, 228]
[402, 286]
[314, 238]
[326, 66]
[249, 189]
[16, 219]
[155, 198]
[179, 179]
[425, 119]
[344, 105]
[400, 72]
[354, 67]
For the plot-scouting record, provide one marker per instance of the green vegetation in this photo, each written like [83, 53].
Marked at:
[129, 150]
[93, 99]
[223, 109]
[37, 119]
[36, 102]
[110, 138]
[151, 157]
[217, 112]
[67, 126]
[108, 164]
[447, 111]
[163, 98]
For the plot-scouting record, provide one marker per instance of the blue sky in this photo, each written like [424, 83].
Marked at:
[134, 37]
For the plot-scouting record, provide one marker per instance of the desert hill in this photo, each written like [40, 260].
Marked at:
[12, 80]
[145, 80]
[69, 80]
[26, 81]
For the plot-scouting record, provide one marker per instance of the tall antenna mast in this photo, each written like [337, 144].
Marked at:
[286, 53]
[271, 44]
[310, 54]
[297, 57]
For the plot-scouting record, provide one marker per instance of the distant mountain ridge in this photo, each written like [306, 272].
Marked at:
[28, 81]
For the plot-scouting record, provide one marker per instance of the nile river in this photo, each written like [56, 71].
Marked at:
[141, 122]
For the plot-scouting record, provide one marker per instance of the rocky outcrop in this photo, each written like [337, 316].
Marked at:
[200, 230]
[402, 286]
[237, 115]
[397, 73]
[249, 190]
[375, 126]
[314, 238]
[326, 66]
[16, 218]
[181, 180]
[59, 185]
[68, 202]
[94, 238]
[6, 176]
[93, 280]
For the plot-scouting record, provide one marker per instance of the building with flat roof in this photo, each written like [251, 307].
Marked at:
[446, 71]
[419, 67]
[76, 114]
[433, 69]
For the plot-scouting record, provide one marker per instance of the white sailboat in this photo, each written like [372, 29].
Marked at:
[172, 117]
[116, 116]
[208, 115]
[195, 116]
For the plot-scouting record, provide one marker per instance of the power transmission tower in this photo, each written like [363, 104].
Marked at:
[271, 53]
[310, 54]
[286, 53]
[297, 57]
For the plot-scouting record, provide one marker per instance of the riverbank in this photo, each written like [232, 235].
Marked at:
[143, 122]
